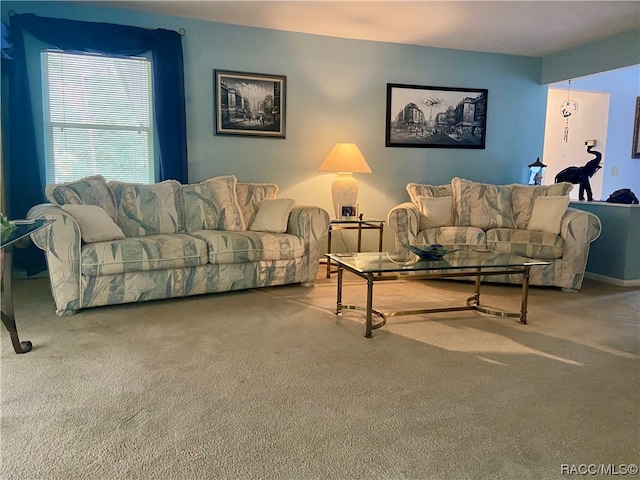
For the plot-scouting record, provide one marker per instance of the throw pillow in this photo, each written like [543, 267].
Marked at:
[251, 195]
[95, 223]
[547, 214]
[482, 205]
[436, 211]
[92, 190]
[148, 209]
[213, 205]
[523, 196]
[273, 215]
[416, 190]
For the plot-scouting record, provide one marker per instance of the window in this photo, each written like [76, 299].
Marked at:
[97, 117]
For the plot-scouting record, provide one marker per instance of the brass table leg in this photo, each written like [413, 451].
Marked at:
[329, 251]
[367, 333]
[8, 316]
[339, 298]
[525, 295]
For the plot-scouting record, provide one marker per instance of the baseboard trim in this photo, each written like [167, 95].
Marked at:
[613, 281]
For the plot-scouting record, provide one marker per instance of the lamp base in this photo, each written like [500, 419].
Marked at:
[344, 191]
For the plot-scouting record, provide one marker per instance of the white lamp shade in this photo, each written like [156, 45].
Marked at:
[344, 158]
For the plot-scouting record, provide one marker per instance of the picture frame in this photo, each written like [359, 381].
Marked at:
[635, 145]
[436, 117]
[348, 211]
[249, 104]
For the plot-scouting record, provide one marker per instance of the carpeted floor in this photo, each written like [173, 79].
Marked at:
[270, 384]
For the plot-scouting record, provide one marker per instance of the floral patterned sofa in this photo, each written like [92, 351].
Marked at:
[115, 242]
[529, 221]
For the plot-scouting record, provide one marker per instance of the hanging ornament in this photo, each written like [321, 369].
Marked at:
[569, 107]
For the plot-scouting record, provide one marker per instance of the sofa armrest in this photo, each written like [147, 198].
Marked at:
[404, 220]
[310, 223]
[61, 242]
[578, 229]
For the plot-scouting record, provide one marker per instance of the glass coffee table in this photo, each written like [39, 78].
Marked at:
[381, 266]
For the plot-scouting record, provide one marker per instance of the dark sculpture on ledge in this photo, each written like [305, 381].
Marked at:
[581, 175]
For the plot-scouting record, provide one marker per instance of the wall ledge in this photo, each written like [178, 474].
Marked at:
[612, 281]
[604, 204]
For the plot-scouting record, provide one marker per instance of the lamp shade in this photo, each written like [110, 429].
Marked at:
[345, 157]
[537, 163]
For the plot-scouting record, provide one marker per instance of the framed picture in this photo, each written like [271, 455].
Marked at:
[436, 117]
[635, 148]
[249, 104]
[348, 212]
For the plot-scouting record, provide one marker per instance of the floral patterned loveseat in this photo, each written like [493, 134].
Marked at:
[115, 242]
[529, 221]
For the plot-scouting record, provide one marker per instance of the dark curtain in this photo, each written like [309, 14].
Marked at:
[24, 174]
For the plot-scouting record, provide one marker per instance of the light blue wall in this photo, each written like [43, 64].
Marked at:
[337, 93]
[623, 87]
[616, 253]
[611, 53]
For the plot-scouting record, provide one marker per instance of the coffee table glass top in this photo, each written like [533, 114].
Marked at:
[10, 236]
[379, 262]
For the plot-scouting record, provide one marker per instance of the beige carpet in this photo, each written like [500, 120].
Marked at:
[268, 384]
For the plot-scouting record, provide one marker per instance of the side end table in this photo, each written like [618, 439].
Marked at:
[359, 225]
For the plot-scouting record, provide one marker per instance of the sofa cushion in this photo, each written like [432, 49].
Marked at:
[250, 197]
[237, 247]
[481, 205]
[92, 190]
[460, 236]
[526, 243]
[151, 252]
[273, 215]
[547, 214]
[523, 198]
[148, 209]
[416, 190]
[212, 205]
[435, 211]
[95, 223]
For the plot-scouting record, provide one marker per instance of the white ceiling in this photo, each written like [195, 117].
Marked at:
[532, 28]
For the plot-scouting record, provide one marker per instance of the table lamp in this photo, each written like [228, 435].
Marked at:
[345, 159]
[536, 172]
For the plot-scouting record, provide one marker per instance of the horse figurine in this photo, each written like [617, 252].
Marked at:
[581, 175]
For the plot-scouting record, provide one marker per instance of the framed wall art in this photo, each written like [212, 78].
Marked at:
[635, 146]
[435, 117]
[249, 104]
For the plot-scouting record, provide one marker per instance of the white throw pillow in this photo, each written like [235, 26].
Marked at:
[273, 215]
[436, 211]
[547, 214]
[95, 223]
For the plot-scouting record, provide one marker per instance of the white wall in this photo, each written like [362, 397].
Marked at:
[588, 123]
[623, 87]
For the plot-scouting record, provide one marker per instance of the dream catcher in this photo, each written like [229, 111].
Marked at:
[569, 107]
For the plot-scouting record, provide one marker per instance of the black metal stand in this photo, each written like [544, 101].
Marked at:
[8, 316]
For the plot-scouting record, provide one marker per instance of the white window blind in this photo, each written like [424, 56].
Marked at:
[97, 117]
